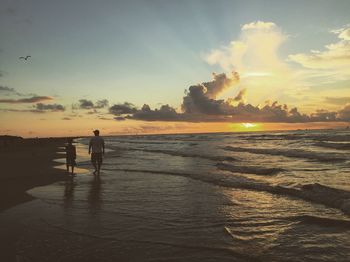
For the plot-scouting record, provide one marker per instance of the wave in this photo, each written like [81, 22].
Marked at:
[181, 154]
[341, 146]
[301, 136]
[249, 169]
[316, 193]
[146, 142]
[297, 153]
[322, 221]
[333, 138]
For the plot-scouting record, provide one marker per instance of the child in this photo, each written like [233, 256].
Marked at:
[70, 155]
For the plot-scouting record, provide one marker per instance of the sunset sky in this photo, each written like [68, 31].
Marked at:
[133, 67]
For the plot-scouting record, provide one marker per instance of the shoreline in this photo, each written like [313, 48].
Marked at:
[28, 164]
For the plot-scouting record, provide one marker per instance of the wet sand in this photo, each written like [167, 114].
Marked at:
[26, 164]
[123, 216]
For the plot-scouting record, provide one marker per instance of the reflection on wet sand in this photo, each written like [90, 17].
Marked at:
[94, 195]
[69, 186]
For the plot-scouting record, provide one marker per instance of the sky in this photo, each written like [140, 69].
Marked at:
[134, 67]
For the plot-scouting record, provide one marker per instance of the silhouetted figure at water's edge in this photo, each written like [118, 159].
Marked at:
[97, 150]
[71, 155]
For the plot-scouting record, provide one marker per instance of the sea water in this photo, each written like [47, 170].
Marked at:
[261, 196]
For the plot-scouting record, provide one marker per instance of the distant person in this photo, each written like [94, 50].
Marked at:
[71, 155]
[97, 149]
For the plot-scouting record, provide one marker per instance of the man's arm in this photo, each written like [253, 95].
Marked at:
[90, 145]
[103, 146]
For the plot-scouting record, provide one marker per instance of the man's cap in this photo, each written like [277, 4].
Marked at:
[96, 131]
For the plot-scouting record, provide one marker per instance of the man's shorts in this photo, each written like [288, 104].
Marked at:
[96, 157]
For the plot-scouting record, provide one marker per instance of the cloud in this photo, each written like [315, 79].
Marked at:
[33, 99]
[335, 57]
[259, 25]
[18, 110]
[50, 107]
[344, 113]
[254, 52]
[345, 34]
[240, 97]
[101, 103]
[11, 91]
[164, 113]
[88, 104]
[322, 115]
[85, 104]
[275, 112]
[66, 118]
[38, 108]
[200, 104]
[7, 89]
[201, 98]
[122, 109]
[337, 100]
[255, 55]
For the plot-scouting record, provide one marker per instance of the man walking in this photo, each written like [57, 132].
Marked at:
[97, 149]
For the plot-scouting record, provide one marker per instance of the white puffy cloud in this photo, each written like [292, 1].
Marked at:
[345, 34]
[255, 55]
[334, 60]
[259, 25]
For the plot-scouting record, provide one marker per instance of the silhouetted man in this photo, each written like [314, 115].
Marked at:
[97, 149]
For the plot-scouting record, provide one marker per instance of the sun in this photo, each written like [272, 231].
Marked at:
[249, 125]
[246, 127]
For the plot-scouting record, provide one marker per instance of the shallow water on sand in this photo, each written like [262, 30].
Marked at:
[207, 197]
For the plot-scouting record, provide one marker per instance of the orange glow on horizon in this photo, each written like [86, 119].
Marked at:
[40, 126]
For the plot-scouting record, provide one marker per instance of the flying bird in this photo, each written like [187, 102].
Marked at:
[25, 57]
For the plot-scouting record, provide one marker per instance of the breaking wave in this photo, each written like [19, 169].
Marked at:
[182, 154]
[249, 169]
[322, 221]
[341, 146]
[297, 153]
[315, 193]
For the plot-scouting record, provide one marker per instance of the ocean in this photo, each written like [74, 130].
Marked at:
[259, 196]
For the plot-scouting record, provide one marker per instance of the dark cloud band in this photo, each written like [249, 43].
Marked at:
[33, 99]
[200, 104]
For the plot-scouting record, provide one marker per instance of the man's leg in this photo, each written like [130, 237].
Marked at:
[93, 161]
[98, 166]
[99, 163]
[95, 166]
[73, 165]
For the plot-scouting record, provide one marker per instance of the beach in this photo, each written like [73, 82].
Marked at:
[25, 164]
[192, 197]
